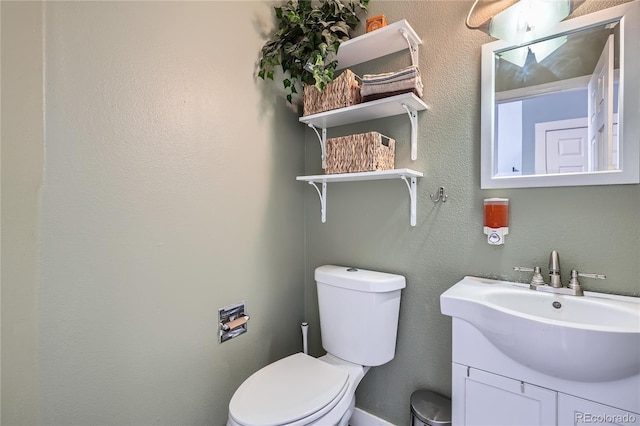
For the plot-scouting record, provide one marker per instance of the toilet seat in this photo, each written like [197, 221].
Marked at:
[295, 390]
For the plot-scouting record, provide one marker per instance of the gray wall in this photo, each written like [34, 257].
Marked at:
[167, 191]
[594, 228]
[22, 170]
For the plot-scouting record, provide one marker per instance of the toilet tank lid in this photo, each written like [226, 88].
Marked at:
[359, 279]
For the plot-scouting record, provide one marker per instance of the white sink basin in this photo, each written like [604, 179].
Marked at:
[590, 338]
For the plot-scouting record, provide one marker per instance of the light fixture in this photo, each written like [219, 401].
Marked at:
[523, 20]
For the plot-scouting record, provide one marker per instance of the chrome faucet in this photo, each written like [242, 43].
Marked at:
[555, 281]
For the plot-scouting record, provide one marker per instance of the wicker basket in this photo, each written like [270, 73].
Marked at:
[364, 152]
[342, 92]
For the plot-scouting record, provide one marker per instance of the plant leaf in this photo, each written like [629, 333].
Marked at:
[308, 31]
[340, 27]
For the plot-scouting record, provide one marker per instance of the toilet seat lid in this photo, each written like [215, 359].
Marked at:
[287, 390]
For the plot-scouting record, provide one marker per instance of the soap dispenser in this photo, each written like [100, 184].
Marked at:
[496, 219]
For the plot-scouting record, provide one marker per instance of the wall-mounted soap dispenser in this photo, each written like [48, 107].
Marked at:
[496, 219]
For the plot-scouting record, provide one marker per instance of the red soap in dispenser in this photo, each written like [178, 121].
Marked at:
[496, 219]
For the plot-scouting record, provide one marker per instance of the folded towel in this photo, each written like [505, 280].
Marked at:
[408, 72]
[401, 86]
[375, 96]
[377, 86]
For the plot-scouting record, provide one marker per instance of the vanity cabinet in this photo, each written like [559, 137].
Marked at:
[524, 357]
[384, 41]
[482, 398]
[491, 389]
[573, 411]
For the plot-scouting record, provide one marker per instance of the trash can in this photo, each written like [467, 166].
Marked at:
[430, 409]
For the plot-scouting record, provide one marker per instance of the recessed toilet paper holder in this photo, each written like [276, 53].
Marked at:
[232, 325]
[232, 321]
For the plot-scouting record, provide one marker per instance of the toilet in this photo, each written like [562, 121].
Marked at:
[359, 323]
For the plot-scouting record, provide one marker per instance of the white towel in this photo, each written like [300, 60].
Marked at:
[409, 72]
[376, 86]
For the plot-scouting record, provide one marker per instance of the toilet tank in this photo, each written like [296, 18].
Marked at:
[359, 313]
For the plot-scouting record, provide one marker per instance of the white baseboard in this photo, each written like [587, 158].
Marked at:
[362, 418]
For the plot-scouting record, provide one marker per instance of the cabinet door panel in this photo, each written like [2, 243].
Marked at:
[486, 399]
[573, 411]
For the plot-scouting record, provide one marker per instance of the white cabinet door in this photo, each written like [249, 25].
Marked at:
[574, 411]
[486, 399]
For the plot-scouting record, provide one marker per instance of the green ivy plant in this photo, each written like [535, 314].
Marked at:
[307, 41]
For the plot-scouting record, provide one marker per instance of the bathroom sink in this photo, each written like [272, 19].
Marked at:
[590, 338]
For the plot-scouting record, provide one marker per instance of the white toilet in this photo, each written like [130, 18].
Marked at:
[359, 323]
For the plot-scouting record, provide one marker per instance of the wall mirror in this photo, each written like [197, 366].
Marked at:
[564, 109]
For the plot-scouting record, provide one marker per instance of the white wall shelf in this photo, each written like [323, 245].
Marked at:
[384, 41]
[372, 110]
[410, 178]
[381, 42]
[375, 44]
[406, 103]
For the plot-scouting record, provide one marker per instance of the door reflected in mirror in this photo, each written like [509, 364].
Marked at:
[564, 109]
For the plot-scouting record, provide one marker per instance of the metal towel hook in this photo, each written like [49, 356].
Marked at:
[439, 196]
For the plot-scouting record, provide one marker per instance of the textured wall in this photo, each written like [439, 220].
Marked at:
[168, 191]
[22, 161]
[595, 229]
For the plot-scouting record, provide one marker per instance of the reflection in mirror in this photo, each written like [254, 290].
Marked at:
[559, 111]
[543, 104]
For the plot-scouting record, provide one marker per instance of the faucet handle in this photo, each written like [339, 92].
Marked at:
[536, 279]
[575, 284]
[594, 276]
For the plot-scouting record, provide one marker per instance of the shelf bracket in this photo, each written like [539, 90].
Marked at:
[323, 144]
[413, 118]
[412, 185]
[323, 199]
[413, 47]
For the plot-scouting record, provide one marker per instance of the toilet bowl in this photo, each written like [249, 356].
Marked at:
[358, 322]
[298, 390]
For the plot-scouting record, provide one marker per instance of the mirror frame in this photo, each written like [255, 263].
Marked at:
[628, 105]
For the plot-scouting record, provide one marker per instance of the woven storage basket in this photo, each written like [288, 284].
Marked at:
[364, 152]
[342, 92]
